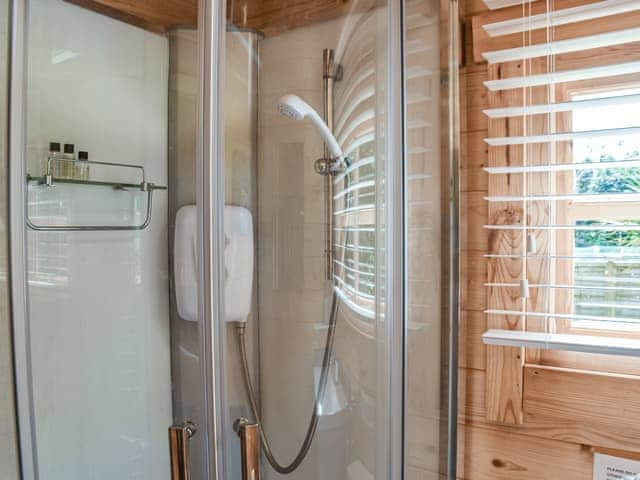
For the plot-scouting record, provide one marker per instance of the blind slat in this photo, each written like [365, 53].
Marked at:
[350, 288]
[351, 105]
[599, 40]
[593, 257]
[356, 307]
[588, 228]
[358, 208]
[363, 162]
[357, 248]
[562, 136]
[354, 270]
[576, 197]
[559, 167]
[561, 17]
[564, 287]
[566, 316]
[565, 342]
[524, 110]
[364, 79]
[496, 4]
[625, 306]
[357, 142]
[353, 188]
[355, 123]
[564, 76]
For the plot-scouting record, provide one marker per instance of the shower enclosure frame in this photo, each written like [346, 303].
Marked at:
[210, 209]
[210, 204]
[208, 55]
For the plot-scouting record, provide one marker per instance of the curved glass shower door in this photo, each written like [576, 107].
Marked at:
[345, 187]
[314, 359]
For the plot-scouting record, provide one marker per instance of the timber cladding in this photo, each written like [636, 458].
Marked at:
[522, 416]
[269, 17]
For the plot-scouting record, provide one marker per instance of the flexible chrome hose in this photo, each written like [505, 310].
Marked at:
[322, 383]
[315, 415]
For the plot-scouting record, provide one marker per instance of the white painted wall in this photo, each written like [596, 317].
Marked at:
[99, 307]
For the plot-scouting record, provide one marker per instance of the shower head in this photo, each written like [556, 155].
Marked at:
[295, 108]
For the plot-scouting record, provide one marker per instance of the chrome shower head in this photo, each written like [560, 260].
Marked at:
[293, 107]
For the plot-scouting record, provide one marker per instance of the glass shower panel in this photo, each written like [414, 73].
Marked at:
[360, 208]
[103, 347]
[186, 334]
[293, 313]
[427, 270]
[241, 71]
[98, 300]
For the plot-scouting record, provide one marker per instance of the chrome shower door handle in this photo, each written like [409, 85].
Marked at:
[179, 437]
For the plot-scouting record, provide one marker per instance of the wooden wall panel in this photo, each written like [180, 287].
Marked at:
[476, 99]
[472, 352]
[472, 232]
[473, 178]
[473, 272]
[472, 409]
[592, 408]
[492, 453]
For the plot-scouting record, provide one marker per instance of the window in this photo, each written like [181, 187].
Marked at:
[607, 263]
[564, 186]
[563, 211]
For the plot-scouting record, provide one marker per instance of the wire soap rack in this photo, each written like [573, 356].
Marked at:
[49, 180]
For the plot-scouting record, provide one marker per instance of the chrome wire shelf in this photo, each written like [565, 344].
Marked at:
[49, 181]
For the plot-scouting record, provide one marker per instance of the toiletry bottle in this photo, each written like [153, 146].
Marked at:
[81, 171]
[51, 163]
[68, 167]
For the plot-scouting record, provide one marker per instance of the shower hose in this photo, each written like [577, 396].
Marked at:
[322, 384]
[313, 421]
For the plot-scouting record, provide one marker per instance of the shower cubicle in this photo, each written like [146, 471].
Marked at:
[226, 246]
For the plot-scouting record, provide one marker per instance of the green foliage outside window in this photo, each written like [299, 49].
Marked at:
[608, 180]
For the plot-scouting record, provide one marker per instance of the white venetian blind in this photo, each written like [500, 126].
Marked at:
[355, 189]
[564, 173]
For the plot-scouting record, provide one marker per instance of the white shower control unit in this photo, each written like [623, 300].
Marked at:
[238, 263]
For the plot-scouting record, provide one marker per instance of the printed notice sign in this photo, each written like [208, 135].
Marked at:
[606, 467]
